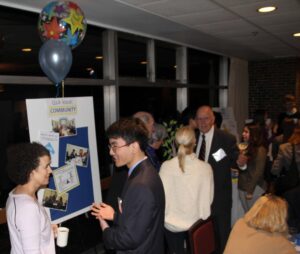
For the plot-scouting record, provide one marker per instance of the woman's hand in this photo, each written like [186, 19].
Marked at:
[54, 228]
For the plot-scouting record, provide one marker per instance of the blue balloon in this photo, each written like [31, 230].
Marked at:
[55, 58]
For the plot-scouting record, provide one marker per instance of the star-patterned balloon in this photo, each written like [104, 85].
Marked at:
[63, 21]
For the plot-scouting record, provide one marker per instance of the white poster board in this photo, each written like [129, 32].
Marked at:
[66, 127]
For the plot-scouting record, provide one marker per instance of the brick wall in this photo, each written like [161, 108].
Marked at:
[269, 81]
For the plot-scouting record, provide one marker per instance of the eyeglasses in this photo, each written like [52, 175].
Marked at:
[115, 147]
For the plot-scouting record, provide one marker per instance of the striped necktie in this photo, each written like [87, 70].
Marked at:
[202, 149]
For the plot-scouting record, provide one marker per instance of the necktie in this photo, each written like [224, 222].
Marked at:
[202, 149]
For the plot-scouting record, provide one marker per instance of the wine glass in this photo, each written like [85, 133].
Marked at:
[243, 147]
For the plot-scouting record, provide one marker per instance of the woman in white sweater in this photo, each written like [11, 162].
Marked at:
[29, 226]
[188, 185]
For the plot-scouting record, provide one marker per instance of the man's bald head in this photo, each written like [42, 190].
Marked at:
[147, 119]
[205, 118]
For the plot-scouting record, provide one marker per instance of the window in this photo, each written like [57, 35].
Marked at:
[132, 53]
[165, 61]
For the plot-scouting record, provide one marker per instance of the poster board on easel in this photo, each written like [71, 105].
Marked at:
[66, 127]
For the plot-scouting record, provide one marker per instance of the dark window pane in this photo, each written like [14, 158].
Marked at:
[165, 62]
[161, 102]
[132, 58]
[203, 96]
[203, 68]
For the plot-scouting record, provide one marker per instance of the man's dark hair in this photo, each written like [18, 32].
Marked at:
[187, 114]
[22, 159]
[131, 130]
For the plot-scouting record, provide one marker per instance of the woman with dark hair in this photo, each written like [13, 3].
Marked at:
[251, 182]
[29, 225]
[263, 229]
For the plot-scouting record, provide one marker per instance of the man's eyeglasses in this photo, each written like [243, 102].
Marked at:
[115, 147]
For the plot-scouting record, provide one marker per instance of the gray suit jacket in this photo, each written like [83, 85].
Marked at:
[284, 158]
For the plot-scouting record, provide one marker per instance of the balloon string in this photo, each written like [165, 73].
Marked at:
[57, 90]
[63, 88]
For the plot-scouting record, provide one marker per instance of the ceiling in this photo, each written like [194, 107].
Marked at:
[227, 27]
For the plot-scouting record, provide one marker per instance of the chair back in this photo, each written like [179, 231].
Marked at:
[2, 216]
[201, 236]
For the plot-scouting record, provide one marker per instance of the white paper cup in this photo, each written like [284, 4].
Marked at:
[62, 236]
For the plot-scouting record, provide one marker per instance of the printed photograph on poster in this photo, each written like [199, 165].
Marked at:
[64, 126]
[52, 199]
[66, 178]
[77, 155]
[50, 140]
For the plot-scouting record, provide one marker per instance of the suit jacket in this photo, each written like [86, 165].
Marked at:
[284, 158]
[119, 179]
[222, 170]
[139, 221]
[254, 174]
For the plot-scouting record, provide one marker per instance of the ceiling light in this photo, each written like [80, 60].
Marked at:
[296, 34]
[26, 49]
[267, 9]
[98, 57]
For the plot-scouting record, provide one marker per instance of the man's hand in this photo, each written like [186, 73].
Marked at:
[249, 196]
[242, 161]
[103, 211]
[103, 224]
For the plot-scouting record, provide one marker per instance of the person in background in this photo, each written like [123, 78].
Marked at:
[263, 229]
[284, 160]
[287, 119]
[29, 226]
[219, 149]
[266, 124]
[187, 117]
[147, 119]
[251, 182]
[189, 189]
[155, 142]
[138, 221]
[288, 126]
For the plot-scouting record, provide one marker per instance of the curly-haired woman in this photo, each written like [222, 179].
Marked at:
[29, 225]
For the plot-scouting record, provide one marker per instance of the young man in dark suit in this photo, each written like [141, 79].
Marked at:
[221, 152]
[138, 223]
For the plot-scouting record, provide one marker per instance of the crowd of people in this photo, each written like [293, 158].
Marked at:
[152, 202]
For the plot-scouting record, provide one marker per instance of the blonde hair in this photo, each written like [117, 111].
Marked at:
[269, 213]
[185, 138]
